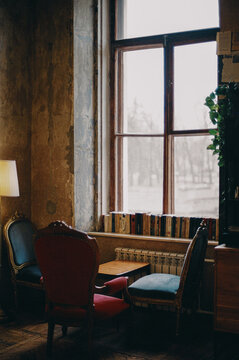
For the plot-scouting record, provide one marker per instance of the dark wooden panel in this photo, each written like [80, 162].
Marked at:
[226, 289]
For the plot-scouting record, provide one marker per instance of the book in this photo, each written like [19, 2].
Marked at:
[168, 226]
[146, 224]
[117, 222]
[192, 227]
[107, 226]
[114, 221]
[139, 223]
[173, 226]
[156, 226]
[183, 223]
[152, 224]
[177, 227]
[159, 225]
[124, 223]
[132, 223]
[163, 225]
[187, 224]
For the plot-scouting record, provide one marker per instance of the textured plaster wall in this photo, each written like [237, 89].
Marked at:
[15, 97]
[36, 108]
[84, 122]
[52, 146]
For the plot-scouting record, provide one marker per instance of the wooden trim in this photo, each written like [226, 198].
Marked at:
[113, 107]
[179, 38]
[138, 135]
[168, 119]
[175, 133]
[141, 237]
[148, 242]
[119, 127]
[146, 237]
[193, 132]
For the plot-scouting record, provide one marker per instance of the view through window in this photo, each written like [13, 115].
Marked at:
[160, 135]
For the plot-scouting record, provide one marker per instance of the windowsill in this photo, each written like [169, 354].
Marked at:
[147, 237]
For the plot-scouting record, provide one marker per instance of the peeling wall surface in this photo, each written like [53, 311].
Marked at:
[84, 125]
[52, 114]
[15, 98]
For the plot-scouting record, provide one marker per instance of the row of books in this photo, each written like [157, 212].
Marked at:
[158, 225]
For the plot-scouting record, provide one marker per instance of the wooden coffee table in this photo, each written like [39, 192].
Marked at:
[116, 268]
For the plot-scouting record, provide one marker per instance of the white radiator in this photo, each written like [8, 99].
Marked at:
[161, 262]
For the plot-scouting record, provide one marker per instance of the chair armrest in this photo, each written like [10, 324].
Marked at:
[116, 285]
[113, 286]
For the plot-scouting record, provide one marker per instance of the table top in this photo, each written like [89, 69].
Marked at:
[121, 267]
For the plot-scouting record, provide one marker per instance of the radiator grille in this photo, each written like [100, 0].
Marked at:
[161, 262]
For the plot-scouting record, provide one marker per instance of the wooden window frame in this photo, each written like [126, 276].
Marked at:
[117, 47]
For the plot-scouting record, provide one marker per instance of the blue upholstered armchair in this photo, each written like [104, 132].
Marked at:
[174, 290]
[18, 235]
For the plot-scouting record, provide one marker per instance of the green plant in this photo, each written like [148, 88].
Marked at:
[223, 104]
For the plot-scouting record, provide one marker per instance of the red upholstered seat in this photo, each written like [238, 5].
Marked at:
[104, 307]
[69, 261]
[108, 306]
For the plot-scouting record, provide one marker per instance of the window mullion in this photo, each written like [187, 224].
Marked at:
[113, 114]
[119, 163]
[168, 184]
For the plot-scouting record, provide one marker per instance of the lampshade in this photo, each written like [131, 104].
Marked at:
[8, 178]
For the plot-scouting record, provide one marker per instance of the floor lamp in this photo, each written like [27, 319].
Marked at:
[8, 187]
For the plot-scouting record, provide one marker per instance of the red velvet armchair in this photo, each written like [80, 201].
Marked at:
[69, 261]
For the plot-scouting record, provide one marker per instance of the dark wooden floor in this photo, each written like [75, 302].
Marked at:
[146, 335]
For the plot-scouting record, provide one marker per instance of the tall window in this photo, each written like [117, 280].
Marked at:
[163, 66]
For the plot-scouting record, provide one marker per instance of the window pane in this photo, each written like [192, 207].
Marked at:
[195, 77]
[151, 17]
[143, 89]
[196, 177]
[143, 174]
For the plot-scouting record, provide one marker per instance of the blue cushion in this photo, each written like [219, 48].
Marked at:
[30, 273]
[20, 234]
[163, 286]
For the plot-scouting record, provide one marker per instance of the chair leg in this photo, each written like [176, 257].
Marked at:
[64, 330]
[51, 327]
[178, 313]
[15, 294]
[89, 337]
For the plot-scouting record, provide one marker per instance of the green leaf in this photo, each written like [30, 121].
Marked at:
[213, 114]
[209, 102]
[213, 132]
[221, 162]
[211, 147]
[212, 95]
